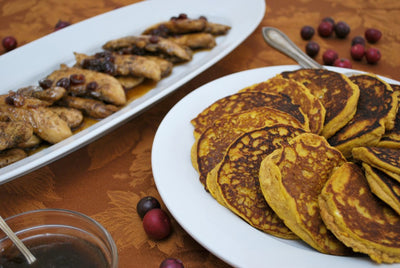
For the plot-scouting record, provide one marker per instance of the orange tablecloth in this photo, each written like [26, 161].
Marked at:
[107, 178]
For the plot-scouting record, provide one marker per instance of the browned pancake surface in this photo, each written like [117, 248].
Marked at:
[358, 218]
[335, 91]
[237, 177]
[376, 111]
[243, 101]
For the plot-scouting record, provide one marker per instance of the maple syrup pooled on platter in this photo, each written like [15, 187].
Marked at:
[55, 251]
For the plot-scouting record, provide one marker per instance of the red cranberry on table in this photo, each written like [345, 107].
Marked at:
[329, 57]
[373, 35]
[307, 32]
[146, 204]
[325, 29]
[312, 49]
[9, 43]
[343, 63]
[342, 29]
[171, 263]
[156, 224]
[357, 52]
[372, 55]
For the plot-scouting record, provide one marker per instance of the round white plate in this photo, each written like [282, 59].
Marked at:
[212, 225]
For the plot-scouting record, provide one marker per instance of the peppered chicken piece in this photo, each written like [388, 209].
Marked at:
[183, 25]
[13, 133]
[31, 97]
[33, 141]
[73, 117]
[10, 156]
[45, 123]
[195, 40]
[90, 107]
[81, 82]
[119, 65]
[150, 45]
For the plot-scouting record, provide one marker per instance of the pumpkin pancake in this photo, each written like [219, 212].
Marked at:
[383, 186]
[385, 159]
[208, 150]
[299, 94]
[336, 92]
[246, 101]
[391, 138]
[291, 178]
[376, 112]
[358, 218]
[235, 178]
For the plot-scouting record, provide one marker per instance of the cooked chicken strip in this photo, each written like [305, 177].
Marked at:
[184, 25]
[73, 117]
[177, 26]
[93, 108]
[165, 66]
[33, 141]
[13, 133]
[195, 40]
[150, 45]
[129, 82]
[216, 28]
[18, 99]
[50, 95]
[79, 81]
[46, 124]
[123, 65]
[10, 156]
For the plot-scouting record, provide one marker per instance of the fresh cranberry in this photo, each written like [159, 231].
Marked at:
[344, 63]
[156, 224]
[372, 55]
[373, 35]
[9, 43]
[61, 24]
[342, 29]
[171, 263]
[358, 40]
[146, 204]
[357, 52]
[325, 29]
[307, 32]
[329, 57]
[312, 49]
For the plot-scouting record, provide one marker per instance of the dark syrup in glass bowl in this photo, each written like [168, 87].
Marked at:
[55, 251]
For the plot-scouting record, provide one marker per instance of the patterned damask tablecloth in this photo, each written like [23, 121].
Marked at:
[107, 178]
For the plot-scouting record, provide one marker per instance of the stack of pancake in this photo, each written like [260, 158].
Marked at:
[309, 154]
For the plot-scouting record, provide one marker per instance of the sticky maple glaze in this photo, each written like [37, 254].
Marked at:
[131, 95]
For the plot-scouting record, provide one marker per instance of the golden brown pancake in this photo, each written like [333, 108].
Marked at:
[235, 178]
[358, 218]
[291, 179]
[391, 138]
[336, 92]
[208, 150]
[299, 94]
[383, 186]
[376, 111]
[244, 101]
[385, 159]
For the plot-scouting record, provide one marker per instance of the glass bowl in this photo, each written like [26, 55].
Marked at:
[58, 238]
